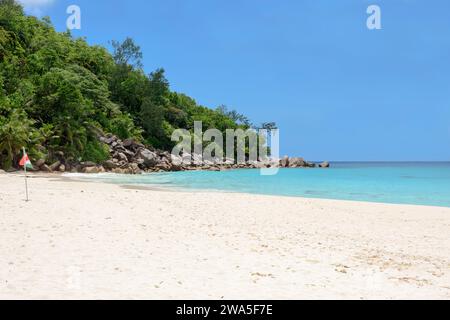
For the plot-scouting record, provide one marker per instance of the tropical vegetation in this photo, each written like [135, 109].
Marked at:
[57, 93]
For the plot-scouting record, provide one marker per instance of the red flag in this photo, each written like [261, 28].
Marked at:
[25, 161]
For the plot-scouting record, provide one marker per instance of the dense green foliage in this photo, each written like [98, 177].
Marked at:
[57, 93]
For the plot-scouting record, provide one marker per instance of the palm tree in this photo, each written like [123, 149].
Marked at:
[269, 126]
[14, 135]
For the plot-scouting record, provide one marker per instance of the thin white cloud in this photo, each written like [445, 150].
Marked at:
[35, 7]
[35, 3]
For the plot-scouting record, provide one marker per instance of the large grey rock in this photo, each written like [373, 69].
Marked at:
[325, 164]
[87, 164]
[40, 163]
[55, 166]
[176, 160]
[197, 159]
[109, 164]
[62, 168]
[229, 161]
[257, 165]
[2, 171]
[187, 158]
[45, 168]
[122, 157]
[129, 154]
[150, 158]
[163, 166]
[109, 140]
[90, 170]
[166, 154]
[119, 148]
[135, 168]
[122, 164]
[208, 162]
[297, 162]
[284, 163]
[128, 143]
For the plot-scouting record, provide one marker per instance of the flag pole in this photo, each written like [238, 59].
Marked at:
[25, 170]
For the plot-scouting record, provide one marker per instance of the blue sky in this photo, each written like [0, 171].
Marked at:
[337, 90]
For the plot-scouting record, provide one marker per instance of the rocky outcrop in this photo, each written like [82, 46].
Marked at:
[324, 164]
[131, 157]
[295, 162]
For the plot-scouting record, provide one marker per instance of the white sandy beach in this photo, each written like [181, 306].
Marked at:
[101, 241]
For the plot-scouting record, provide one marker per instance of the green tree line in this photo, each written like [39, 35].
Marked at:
[57, 93]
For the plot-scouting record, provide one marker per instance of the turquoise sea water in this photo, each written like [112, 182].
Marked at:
[405, 183]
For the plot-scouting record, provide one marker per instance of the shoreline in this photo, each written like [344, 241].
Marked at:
[101, 241]
[157, 187]
[64, 177]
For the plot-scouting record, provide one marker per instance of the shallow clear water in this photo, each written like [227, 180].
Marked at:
[407, 183]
